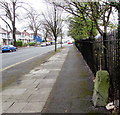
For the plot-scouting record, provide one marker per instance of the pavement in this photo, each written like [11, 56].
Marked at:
[62, 84]
[73, 90]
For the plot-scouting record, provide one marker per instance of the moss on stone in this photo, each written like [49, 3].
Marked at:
[101, 88]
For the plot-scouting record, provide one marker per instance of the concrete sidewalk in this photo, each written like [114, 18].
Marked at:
[30, 93]
[72, 92]
[62, 84]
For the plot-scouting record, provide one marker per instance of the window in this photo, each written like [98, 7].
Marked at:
[4, 35]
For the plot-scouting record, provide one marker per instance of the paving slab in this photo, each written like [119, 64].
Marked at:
[16, 108]
[40, 95]
[21, 98]
[33, 107]
[37, 98]
[30, 93]
[8, 92]
[45, 85]
[5, 97]
[43, 91]
[6, 105]
[52, 75]
[19, 91]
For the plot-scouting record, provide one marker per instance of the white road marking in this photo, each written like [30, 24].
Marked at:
[18, 63]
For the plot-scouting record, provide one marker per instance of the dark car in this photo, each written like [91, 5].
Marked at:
[8, 48]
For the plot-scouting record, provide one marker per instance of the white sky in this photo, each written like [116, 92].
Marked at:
[40, 6]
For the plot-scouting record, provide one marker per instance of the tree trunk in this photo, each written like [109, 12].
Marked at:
[119, 31]
[35, 36]
[105, 51]
[91, 40]
[14, 36]
[61, 41]
[13, 24]
[14, 33]
[55, 44]
[119, 53]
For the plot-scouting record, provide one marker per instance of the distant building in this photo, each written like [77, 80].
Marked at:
[18, 35]
[37, 38]
[4, 37]
[24, 36]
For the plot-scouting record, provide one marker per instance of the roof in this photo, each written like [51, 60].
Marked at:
[25, 33]
[18, 32]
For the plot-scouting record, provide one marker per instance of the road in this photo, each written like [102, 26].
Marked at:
[11, 58]
[15, 64]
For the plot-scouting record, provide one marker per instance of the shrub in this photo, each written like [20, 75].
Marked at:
[12, 43]
[32, 44]
[19, 43]
[25, 44]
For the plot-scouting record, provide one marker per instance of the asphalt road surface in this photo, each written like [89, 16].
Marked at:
[12, 58]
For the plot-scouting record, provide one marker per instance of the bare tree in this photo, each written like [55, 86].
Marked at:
[98, 12]
[46, 32]
[53, 23]
[34, 21]
[116, 4]
[61, 33]
[9, 9]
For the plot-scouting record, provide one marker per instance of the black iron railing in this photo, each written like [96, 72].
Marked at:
[104, 54]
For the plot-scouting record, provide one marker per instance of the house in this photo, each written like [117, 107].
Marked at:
[18, 35]
[4, 37]
[24, 36]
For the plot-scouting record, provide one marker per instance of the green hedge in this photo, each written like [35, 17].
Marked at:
[19, 43]
[32, 44]
[25, 44]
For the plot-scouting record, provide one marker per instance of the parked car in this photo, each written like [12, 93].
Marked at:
[8, 48]
[47, 43]
[69, 42]
[43, 44]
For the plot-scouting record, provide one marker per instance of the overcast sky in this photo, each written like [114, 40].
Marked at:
[40, 6]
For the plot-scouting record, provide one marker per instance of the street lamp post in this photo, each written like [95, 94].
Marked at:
[7, 32]
[7, 35]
